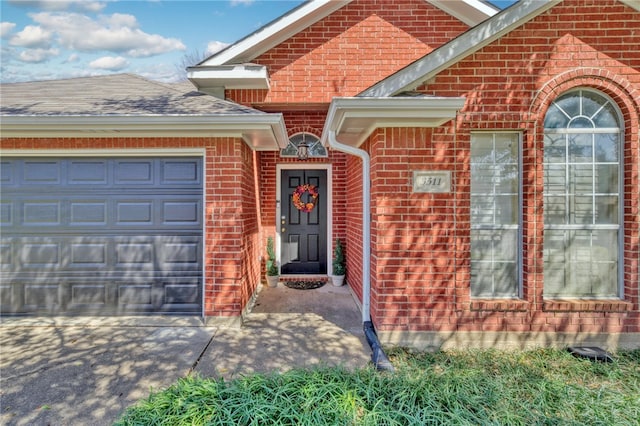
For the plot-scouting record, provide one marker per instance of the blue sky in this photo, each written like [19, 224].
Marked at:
[50, 39]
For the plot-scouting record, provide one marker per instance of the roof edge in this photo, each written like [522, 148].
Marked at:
[261, 131]
[457, 49]
[471, 12]
[275, 32]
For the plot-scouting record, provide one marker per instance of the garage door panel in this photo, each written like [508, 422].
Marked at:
[138, 213]
[183, 172]
[101, 236]
[41, 172]
[88, 172]
[7, 174]
[44, 213]
[6, 213]
[181, 212]
[134, 172]
[6, 255]
[87, 213]
[91, 255]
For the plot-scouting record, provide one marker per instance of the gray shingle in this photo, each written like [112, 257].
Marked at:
[111, 95]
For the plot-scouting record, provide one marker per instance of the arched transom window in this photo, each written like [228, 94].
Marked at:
[582, 197]
[314, 147]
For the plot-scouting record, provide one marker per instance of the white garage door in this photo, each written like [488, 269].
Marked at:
[101, 236]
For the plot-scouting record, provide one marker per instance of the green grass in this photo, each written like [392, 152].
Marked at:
[539, 387]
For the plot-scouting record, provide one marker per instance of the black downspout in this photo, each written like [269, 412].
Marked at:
[378, 357]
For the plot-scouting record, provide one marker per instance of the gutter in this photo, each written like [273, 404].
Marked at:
[379, 358]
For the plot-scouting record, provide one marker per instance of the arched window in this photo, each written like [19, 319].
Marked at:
[582, 196]
[315, 148]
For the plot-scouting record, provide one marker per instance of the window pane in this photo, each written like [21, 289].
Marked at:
[606, 146]
[508, 182]
[494, 204]
[482, 210]
[607, 118]
[580, 263]
[482, 148]
[606, 178]
[555, 210]
[555, 148]
[482, 179]
[317, 150]
[580, 148]
[506, 209]
[606, 210]
[555, 179]
[506, 149]
[581, 179]
[494, 263]
[555, 119]
[581, 210]
[592, 103]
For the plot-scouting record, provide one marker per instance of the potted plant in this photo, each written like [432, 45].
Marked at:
[339, 264]
[273, 274]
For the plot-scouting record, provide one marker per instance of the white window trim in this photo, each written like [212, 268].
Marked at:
[520, 224]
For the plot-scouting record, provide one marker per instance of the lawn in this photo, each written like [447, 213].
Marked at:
[537, 387]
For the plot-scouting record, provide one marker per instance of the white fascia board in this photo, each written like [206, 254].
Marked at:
[471, 12]
[239, 76]
[260, 131]
[634, 4]
[353, 119]
[459, 48]
[275, 32]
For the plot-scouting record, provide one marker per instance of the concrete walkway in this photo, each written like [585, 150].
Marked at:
[81, 371]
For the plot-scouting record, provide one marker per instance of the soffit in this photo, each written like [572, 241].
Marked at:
[354, 119]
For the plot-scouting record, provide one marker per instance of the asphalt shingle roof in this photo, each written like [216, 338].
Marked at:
[111, 95]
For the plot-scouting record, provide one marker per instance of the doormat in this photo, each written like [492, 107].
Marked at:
[304, 285]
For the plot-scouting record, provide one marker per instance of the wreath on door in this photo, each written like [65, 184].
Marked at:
[297, 197]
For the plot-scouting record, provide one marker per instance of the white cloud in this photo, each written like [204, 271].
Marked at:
[215, 46]
[84, 5]
[6, 28]
[38, 55]
[241, 2]
[109, 63]
[74, 57]
[116, 33]
[32, 37]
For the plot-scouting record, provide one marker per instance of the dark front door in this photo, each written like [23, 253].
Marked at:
[303, 224]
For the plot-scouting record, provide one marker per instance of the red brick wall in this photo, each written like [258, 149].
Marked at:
[231, 212]
[509, 84]
[233, 246]
[350, 50]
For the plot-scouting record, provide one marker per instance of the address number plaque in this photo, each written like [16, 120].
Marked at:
[437, 181]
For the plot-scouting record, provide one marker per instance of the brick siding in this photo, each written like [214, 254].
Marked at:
[508, 84]
[350, 50]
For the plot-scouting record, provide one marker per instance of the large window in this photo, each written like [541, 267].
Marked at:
[495, 215]
[582, 197]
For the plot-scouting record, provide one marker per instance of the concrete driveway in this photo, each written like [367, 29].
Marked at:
[87, 371]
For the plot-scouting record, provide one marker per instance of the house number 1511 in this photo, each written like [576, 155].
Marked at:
[432, 181]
